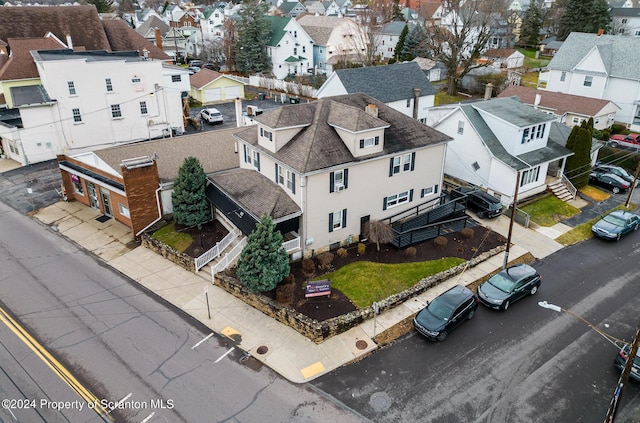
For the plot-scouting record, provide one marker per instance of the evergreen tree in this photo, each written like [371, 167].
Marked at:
[396, 14]
[578, 165]
[531, 25]
[253, 35]
[102, 6]
[400, 43]
[263, 262]
[190, 205]
[415, 45]
[584, 16]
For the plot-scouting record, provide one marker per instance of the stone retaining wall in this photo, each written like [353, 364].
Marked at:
[318, 332]
[183, 260]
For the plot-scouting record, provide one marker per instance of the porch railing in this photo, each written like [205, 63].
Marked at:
[228, 258]
[217, 249]
[293, 244]
[573, 190]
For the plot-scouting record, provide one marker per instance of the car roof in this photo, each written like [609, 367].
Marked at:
[623, 214]
[456, 295]
[485, 196]
[212, 110]
[615, 177]
[519, 271]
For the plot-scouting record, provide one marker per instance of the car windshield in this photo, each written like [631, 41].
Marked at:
[440, 309]
[502, 282]
[614, 220]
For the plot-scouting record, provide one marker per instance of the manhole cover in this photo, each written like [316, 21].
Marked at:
[361, 345]
[380, 401]
[262, 349]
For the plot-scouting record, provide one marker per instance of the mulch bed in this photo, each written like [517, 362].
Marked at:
[204, 239]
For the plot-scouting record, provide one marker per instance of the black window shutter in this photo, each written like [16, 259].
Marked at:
[245, 153]
[344, 218]
[331, 182]
[413, 160]
[277, 182]
[330, 222]
[361, 143]
[293, 186]
[411, 195]
[435, 189]
[422, 192]
[391, 167]
[384, 203]
[257, 164]
[345, 178]
[377, 141]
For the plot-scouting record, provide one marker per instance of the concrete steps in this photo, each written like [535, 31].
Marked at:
[559, 190]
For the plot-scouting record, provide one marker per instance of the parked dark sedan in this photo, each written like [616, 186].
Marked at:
[446, 312]
[610, 181]
[508, 286]
[616, 170]
[621, 361]
[616, 224]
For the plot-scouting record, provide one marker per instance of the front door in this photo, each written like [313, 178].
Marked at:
[93, 196]
[106, 203]
[364, 220]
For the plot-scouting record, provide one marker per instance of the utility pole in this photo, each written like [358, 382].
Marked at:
[624, 378]
[633, 186]
[513, 217]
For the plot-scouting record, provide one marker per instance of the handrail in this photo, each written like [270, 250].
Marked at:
[216, 250]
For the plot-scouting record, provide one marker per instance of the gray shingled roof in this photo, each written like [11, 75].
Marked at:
[318, 146]
[387, 83]
[214, 149]
[255, 193]
[31, 94]
[512, 110]
[620, 55]
[553, 151]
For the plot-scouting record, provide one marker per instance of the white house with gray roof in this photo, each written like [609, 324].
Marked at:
[497, 139]
[626, 21]
[598, 66]
[386, 39]
[401, 86]
[323, 169]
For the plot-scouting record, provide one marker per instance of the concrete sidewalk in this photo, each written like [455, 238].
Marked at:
[276, 345]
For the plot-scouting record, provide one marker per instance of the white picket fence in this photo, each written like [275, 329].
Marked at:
[228, 258]
[217, 249]
[291, 245]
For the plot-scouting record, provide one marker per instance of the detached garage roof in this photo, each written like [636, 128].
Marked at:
[206, 76]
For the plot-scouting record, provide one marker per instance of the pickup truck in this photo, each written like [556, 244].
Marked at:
[620, 140]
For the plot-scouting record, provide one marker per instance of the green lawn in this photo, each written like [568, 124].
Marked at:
[443, 98]
[583, 231]
[530, 60]
[549, 210]
[365, 282]
[176, 240]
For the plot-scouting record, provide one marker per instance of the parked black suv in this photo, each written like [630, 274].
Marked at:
[446, 312]
[484, 204]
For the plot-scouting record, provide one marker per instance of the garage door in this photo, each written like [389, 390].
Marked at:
[232, 92]
[212, 94]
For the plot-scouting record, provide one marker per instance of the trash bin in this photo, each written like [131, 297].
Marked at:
[260, 96]
[294, 100]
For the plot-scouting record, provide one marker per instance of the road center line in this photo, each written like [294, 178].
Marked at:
[205, 338]
[146, 419]
[225, 354]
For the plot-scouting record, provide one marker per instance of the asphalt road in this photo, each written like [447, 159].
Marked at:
[124, 344]
[528, 364]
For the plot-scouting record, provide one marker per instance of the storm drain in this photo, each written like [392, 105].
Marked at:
[262, 350]
[380, 401]
[361, 345]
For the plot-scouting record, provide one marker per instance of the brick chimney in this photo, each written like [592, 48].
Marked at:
[158, 38]
[600, 32]
[372, 110]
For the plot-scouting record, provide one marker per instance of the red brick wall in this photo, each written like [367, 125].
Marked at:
[141, 184]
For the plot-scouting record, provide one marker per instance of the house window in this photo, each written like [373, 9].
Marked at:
[123, 210]
[636, 116]
[77, 117]
[279, 175]
[109, 85]
[588, 80]
[72, 88]
[460, 127]
[475, 166]
[637, 34]
[291, 181]
[596, 120]
[116, 113]
[77, 184]
[176, 78]
[337, 220]
[563, 76]
[135, 80]
[408, 102]
[575, 120]
[338, 180]
[529, 176]
[540, 130]
[369, 142]
[525, 135]
[404, 163]
[397, 199]
[266, 134]
[428, 191]
[143, 108]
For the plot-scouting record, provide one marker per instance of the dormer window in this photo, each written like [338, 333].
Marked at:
[369, 142]
[266, 134]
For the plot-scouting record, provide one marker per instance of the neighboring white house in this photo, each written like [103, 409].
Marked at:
[495, 140]
[598, 66]
[401, 86]
[504, 58]
[89, 100]
[335, 39]
[323, 169]
[386, 39]
[290, 47]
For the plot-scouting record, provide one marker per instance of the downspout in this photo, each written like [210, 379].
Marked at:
[159, 213]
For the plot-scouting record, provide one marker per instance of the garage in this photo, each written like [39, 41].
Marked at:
[212, 94]
[232, 92]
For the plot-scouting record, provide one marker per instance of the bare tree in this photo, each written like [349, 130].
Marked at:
[229, 50]
[371, 17]
[379, 232]
[461, 38]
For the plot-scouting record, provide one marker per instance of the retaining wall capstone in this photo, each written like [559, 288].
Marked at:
[318, 332]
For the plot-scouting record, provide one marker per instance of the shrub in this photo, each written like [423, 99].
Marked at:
[467, 233]
[440, 241]
[361, 248]
[342, 252]
[285, 292]
[325, 259]
[308, 266]
[410, 252]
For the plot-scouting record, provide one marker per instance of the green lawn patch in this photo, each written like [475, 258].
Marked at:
[529, 79]
[365, 282]
[177, 240]
[550, 210]
[583, 232]
[594, 193]
[443, 98]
